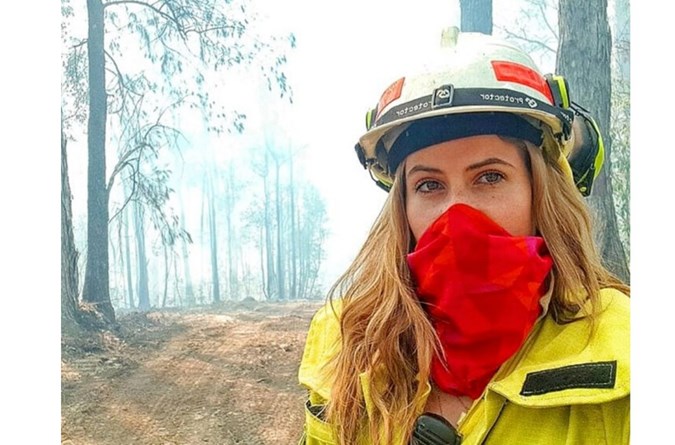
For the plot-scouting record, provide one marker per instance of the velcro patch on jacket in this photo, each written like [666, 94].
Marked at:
[584, 375]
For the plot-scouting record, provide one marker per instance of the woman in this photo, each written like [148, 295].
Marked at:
[478, 310]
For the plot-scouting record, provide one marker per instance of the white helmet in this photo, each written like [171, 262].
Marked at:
[475, 84]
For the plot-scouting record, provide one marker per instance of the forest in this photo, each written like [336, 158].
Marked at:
[201, 157]
[190, 200]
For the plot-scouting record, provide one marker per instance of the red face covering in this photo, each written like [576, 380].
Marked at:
[481, 289]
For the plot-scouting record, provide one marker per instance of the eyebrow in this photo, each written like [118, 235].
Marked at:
[477, 165]
[424, 168]
[488, 161]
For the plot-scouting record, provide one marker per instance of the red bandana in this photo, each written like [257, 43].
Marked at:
[481, 289]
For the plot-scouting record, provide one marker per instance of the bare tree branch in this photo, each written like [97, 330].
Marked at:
[207, 30]
[119, 75]
[122, 86]
[540, 5]
[133, 190]
[82, 43]
[525, 39]
[124, 160]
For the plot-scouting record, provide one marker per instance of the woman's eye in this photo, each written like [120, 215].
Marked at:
[428, 186]
[491, 177]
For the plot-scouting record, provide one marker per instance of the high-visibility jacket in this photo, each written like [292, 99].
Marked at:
[566, 384]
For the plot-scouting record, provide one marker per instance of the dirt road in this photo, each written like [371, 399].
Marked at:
[205, 376]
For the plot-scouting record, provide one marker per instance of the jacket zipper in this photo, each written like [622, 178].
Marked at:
[511, 364]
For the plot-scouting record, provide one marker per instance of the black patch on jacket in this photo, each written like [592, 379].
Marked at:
[585, 375]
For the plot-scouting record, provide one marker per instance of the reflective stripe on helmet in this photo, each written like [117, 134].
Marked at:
[524, 75]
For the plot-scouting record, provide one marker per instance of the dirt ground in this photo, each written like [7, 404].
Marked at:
[210, 375]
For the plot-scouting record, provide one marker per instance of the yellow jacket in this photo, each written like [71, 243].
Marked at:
[562, 387]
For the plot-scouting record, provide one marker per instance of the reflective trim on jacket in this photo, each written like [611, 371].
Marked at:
[562, 387]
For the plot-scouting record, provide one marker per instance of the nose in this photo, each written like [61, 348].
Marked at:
[457, 195]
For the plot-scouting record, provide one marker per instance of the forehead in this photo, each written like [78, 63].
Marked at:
[467, 150]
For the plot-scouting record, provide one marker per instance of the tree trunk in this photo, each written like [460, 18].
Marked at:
[178, 298]
[294, 229]
[127, 254]
[213, 241]
[302, 258]
[166, 275]
[586, 63]
[141, 261]
[114, 254]
[476, 16]
[189, 292]
[96, 283]
[204, 248]
[69, 273]
[120, 261]
[232, 277]
[281, 274]
[269, 250]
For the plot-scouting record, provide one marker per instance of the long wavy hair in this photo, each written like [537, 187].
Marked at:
[385, 331]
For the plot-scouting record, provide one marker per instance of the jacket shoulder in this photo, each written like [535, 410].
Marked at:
[322, 343]
[611, 334]
[615, 306]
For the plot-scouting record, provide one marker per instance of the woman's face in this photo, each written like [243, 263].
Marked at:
[484, 172]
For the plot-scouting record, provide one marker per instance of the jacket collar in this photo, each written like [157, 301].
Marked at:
[577, 362]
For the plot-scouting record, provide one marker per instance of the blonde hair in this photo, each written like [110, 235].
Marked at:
[385, 330]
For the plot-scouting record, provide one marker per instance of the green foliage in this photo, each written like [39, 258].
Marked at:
[185, 46]
[162, 59]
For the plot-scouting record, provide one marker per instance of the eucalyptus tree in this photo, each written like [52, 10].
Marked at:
[124, 225]
[187, 277]
[312, 233]
[73, 114]
[145, 63]
[213, 235]
[266, 213]
[230, 200]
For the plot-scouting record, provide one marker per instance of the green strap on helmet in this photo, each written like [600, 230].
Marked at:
[370, 118]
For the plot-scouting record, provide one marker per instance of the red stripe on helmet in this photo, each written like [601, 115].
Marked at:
[524, 75]
[392, 93]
